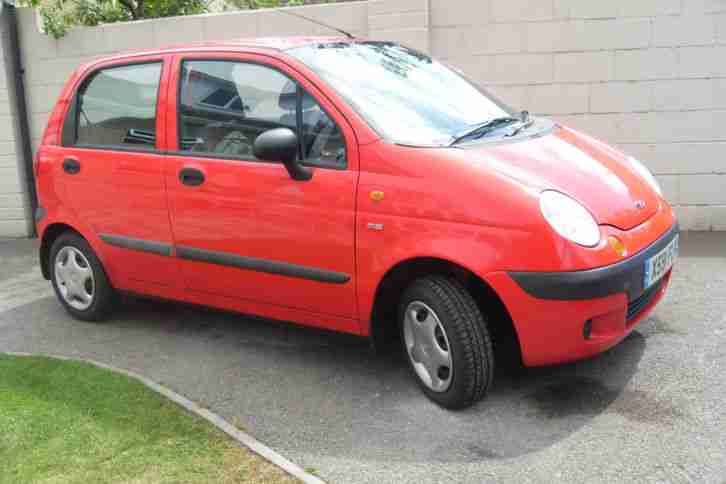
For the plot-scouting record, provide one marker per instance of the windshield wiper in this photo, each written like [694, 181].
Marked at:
[527, 121]
[484, 128]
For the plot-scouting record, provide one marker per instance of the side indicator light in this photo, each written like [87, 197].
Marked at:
[377, 195]
[617, 246]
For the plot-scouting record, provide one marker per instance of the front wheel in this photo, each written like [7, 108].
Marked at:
[79, 279]
[447, 342]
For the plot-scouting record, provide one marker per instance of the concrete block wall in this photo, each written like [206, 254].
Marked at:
[404, 21]
[645, 75]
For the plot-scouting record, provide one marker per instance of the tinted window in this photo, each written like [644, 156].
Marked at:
[225, 105]
[117, 107]
[406, 96]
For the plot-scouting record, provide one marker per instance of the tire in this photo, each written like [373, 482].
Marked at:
[459, 331]
[71, 281]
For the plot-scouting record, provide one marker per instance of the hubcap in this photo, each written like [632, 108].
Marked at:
[74, 278]
[428, 346]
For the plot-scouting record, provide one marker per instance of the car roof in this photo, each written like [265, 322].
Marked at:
[241, 45]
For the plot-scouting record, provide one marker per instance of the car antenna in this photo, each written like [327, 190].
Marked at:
[347, 34]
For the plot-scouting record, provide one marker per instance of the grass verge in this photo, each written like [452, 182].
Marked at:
[71, 422]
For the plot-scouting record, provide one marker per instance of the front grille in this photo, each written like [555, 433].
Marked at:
[637, 305]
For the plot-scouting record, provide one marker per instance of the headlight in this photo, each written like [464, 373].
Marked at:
[569, 218]
[645, 173]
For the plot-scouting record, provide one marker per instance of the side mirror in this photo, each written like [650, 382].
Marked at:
[281, 145]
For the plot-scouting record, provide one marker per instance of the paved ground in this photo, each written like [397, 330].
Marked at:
[651, 409]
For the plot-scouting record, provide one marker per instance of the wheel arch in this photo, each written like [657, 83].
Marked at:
[50, 234]
[384, 321]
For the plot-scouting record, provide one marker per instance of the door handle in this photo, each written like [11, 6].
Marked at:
[191, 177]
[71, 166]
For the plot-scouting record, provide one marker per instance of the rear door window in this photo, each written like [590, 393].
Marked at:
[116, 107]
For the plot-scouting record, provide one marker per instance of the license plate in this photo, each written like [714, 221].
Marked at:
[659, 264]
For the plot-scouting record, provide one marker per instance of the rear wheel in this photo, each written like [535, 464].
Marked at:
[447, 342]
[79, 279]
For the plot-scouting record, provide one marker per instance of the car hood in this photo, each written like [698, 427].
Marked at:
[587, 170]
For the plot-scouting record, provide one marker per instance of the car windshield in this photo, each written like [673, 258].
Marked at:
[406, 96]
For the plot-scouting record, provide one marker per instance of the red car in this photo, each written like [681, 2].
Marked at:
[351, 185]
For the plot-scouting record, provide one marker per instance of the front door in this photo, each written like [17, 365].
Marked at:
[243, 228]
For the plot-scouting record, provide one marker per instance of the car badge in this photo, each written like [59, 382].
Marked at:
[374, 226]
[640, 204]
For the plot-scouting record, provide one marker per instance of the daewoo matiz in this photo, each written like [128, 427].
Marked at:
[351, 185]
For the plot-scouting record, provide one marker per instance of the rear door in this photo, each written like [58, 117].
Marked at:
[243, 228]
[113, 167]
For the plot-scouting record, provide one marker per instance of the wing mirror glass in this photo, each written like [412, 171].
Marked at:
[281, 144]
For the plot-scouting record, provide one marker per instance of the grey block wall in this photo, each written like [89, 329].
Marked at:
[646, 75]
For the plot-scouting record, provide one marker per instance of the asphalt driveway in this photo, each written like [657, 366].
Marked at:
[650, 410]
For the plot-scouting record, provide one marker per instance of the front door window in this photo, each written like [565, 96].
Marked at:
[225, 105]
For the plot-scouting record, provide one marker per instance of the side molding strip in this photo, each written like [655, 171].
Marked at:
[158, 248]
[262, 265]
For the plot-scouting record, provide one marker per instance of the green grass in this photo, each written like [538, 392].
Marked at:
[71, 422]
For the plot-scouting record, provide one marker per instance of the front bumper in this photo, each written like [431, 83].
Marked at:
[567, 316]
[625, 276]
